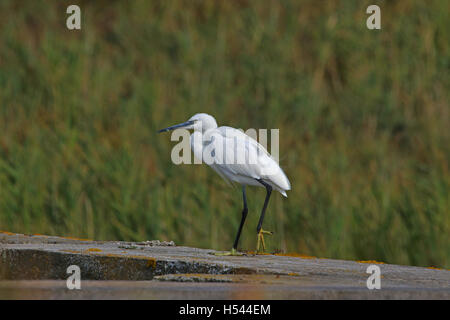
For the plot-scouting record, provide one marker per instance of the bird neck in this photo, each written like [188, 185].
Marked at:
[196, 141]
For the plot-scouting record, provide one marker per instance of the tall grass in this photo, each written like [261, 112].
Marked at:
[363, 116]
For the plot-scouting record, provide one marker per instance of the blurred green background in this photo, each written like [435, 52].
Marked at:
[363, 115]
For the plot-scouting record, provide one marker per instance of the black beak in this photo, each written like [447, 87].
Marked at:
[181, 125]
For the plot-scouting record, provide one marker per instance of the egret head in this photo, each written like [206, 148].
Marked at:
[198, 122]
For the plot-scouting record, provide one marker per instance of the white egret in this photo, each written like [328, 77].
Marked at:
[237, 157]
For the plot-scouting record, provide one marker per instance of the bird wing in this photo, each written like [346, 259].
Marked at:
[265, 167]
[229, 132]
[238, 157]
[232, 149]
[223, 175]
[236, 153]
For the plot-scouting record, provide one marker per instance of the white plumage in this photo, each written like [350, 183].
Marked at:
[236, 145]
[237, 157]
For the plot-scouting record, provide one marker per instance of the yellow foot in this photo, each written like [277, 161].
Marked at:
[233, 252]
[261, 240]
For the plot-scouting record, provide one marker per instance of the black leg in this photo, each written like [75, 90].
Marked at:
[266, 202]
[244, 215]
